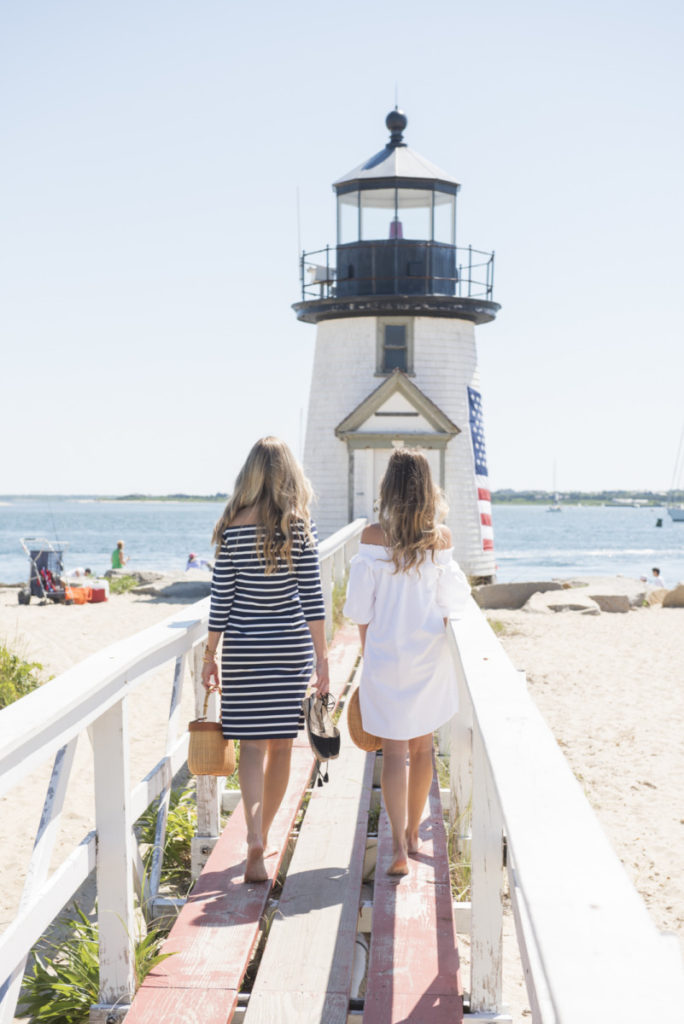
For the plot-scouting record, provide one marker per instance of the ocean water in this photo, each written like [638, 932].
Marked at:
[158, 535]
[530, 543]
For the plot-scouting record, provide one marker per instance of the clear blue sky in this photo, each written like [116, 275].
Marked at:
[151, 158]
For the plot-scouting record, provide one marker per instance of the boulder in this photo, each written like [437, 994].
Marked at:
[674, 598]
[510, 595]
[180, 587]
[612, 602]
[571, 600]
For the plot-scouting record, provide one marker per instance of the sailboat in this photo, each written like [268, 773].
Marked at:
[676, 512]
[556, 496]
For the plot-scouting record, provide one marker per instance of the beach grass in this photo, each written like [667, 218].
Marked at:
[17, 676]
[122, 584]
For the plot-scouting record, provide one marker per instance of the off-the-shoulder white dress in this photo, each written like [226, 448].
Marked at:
[408, 682]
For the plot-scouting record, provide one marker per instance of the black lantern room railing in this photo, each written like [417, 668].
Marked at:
[396, 267]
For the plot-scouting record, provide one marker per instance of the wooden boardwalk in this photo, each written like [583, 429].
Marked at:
[413, 973]
[305, 972]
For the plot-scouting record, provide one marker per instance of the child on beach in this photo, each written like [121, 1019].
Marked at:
[267, 602]
[403, 586]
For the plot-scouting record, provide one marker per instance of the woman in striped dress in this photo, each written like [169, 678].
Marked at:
[266, 600]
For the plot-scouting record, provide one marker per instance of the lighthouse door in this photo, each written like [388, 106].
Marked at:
[381, 457]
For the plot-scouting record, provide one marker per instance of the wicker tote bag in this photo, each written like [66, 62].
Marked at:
[364, 740]
[208, 752]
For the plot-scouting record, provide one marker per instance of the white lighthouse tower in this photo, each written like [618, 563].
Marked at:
[395, 303]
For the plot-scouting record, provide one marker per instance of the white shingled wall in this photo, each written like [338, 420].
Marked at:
[445, 363]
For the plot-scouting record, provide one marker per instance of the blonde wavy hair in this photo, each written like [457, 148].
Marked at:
[410, 510]
[273, 481]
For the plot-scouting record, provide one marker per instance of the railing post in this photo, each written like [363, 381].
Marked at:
[115, 911]
[327, 587]
[208, 791]
[486, 972]
[470, 269]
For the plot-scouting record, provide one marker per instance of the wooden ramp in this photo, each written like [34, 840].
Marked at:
[306, 970]
[213, 938]
[413, 974]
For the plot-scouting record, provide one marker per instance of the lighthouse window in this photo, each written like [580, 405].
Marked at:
[395, 348]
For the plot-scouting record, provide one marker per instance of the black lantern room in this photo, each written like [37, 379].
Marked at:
[396, 244]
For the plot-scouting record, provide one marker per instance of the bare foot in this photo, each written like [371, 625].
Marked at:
[413, 842]
[255, 869]
[270, 849]
[399, 865]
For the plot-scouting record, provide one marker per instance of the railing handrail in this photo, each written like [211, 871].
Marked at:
[35, 727]
[590, 949]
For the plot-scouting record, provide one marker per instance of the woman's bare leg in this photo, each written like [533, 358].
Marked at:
[419, 782]
[393, 783]
[276, 778]
[251, 771]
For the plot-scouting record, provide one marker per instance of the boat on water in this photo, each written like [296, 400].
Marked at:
[556, 507]
[674, 511]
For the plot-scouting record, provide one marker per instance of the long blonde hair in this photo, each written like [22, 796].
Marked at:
[411, 508]
[272, 480]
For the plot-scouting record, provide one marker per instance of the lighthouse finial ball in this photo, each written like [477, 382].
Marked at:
[396, 122]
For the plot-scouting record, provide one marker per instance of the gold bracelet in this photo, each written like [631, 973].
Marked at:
[209, 656]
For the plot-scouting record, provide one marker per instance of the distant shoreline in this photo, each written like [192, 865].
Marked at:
[626, 499]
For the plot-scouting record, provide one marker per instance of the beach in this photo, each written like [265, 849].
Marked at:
[610, 686]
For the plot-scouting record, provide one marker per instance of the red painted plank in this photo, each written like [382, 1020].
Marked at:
[216, 930]
[413, 974]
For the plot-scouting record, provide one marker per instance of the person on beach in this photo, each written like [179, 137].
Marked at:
[118, 557]
[403, 586]
[267, 602]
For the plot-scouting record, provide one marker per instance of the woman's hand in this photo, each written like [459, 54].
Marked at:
[322, 682]
[210, 675]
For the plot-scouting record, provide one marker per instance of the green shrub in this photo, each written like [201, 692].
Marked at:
[121, 584]
[63, 982]
[181, 826]
[17, 677]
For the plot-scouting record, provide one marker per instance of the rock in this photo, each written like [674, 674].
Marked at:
[177, 587]
[674, 598]
[572, 600]
[612, 602]
[510, 595]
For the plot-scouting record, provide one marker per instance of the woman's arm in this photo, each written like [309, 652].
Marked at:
[363, 629]
[317, 630]
[210, 672]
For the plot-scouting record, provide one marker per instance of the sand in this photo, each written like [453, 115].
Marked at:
[610, 686]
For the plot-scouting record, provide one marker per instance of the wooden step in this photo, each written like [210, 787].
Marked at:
[305, 973]
[216, 931]
[413, 974]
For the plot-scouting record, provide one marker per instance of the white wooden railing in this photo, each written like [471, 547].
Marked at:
[92, 698]
[590, 951]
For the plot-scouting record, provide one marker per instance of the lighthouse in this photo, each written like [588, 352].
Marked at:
[395, 303]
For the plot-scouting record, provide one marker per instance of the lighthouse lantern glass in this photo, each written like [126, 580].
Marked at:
[347, 217]
[414, 213]
[377, 213]
[444, 218]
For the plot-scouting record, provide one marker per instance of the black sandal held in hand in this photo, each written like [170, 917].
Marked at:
[324, 736]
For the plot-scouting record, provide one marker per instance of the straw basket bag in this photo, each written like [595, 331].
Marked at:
[209, 753]
[364, 740]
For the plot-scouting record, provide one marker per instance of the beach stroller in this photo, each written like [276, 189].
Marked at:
[46, 566]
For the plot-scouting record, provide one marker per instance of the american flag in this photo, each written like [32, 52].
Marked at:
[484, 498]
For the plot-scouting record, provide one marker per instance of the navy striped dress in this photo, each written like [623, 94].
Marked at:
[267, 655]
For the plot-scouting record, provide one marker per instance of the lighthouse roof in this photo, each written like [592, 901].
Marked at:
[396, 160]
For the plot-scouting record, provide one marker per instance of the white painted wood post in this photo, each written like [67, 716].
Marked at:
[327, 587]
[486, 972]
[165, 795]
[208, 789]
[115, 909]
[39, 864]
